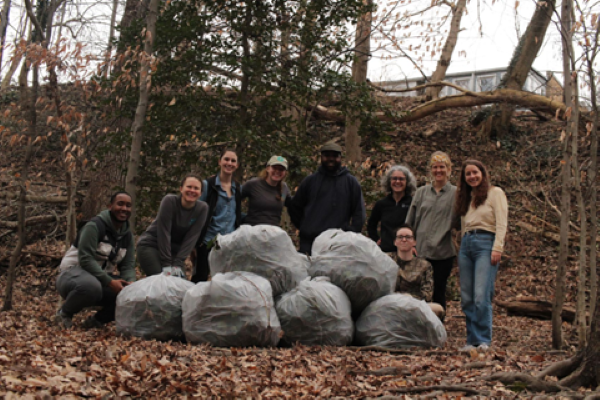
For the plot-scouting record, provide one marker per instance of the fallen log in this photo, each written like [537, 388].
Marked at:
[35, 199]
[31, 221]
[549, 235]
[535, 308]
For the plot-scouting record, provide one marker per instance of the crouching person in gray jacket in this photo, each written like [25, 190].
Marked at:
[87, 272]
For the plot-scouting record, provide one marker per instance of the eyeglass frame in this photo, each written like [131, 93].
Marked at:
[407, 238]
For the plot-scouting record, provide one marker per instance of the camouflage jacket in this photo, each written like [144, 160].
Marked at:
[415, 277]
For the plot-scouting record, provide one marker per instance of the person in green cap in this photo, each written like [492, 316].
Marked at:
[267, 194]
[330, 198]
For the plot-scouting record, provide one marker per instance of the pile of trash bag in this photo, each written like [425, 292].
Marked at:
[264, 250]
[316, 312]
[151, 308]
[234, 309]
[399, 320]
[354, 263]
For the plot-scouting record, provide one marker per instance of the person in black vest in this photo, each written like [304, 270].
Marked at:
[224, 199]
[171, 237]
[391, 211]
[331, 198]
[88, 270]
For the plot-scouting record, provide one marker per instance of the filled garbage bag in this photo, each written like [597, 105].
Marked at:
[264, 250]
[316, 312]
[235, 309]
[400, 320]
[354, 263]
[151, 308]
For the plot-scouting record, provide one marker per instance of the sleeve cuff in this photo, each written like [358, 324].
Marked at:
[105, 279]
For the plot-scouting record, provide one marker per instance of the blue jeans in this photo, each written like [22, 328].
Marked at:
[477, 278]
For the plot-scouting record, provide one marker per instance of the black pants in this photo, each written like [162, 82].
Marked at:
[306, 246]
[441, 272]
[201, 267]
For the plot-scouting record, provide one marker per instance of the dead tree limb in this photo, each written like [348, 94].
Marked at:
[35, 199]
[31, 221]
[387, 371]
[535, 308]
[445, 388]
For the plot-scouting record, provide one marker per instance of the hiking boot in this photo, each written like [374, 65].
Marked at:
[92, 323]
[63, 320]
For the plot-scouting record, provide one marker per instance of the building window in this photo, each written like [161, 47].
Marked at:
[486, 83]
[463, 83]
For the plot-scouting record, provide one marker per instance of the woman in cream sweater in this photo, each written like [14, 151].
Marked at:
[484, 213]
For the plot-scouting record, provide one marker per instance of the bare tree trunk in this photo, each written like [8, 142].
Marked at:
[111, 36]
[521, 62]
[3, 25]
[16, 60]
[62, 20]
[140, 112]
[458, 10]
[559, 296]
[362, 52]
[593, 172]
[581, 285]
[29, 101]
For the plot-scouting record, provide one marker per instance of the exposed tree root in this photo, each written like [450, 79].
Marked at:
[530, 382]
[561, 368]
[444, 388]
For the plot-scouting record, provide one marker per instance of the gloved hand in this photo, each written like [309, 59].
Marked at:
[174, 271]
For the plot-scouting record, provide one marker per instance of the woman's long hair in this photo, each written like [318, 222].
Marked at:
[264, 174]
[465, 194]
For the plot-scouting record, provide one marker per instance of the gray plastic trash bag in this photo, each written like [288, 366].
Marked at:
[354, 263]
[400, 320]
[151, 308]
[235, 309]
[316, 312]
[264, 250]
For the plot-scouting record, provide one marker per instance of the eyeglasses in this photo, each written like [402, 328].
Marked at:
[404, 237]
[397, 178]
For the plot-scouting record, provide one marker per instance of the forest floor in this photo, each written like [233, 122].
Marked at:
[39, 360]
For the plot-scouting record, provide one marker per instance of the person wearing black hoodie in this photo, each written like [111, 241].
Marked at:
[330, 198]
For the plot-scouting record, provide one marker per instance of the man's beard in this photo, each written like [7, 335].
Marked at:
[333, 168]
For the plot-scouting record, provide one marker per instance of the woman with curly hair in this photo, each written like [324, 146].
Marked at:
[391, 211]
[484, 214]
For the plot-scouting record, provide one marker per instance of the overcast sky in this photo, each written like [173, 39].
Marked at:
[475, 50]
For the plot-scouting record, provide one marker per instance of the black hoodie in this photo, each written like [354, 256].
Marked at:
[327, 200]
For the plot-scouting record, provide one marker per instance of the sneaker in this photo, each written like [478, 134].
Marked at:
[483, 347]
[63, 320]
[92, 323]
[467, 348]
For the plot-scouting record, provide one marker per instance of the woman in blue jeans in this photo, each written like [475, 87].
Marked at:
[484, 214]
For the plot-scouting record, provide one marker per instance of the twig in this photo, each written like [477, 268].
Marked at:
[445, 388]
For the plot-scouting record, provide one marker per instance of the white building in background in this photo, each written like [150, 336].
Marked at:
[477, 81]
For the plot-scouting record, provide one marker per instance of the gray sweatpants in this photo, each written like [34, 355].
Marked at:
[149, 260]
[80, 289]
